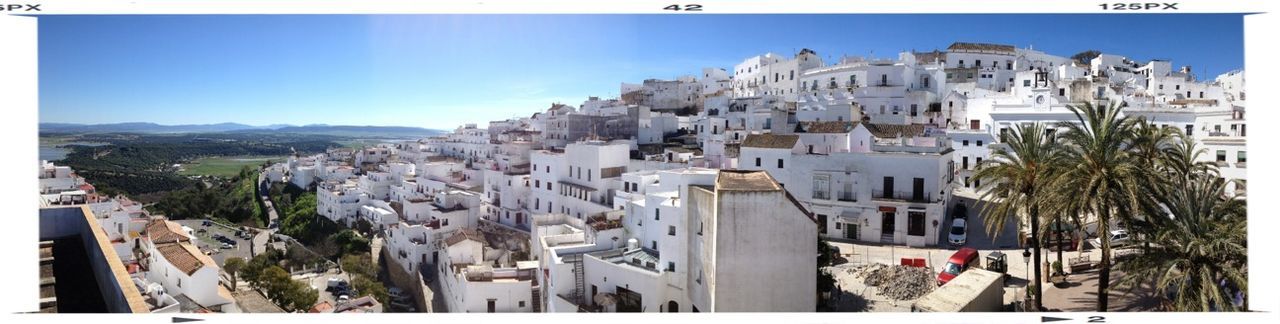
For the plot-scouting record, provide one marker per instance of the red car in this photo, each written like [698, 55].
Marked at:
[959, 262]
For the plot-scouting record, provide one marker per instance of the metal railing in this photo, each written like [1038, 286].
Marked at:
[910, 196]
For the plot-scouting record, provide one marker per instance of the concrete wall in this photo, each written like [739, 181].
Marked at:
[765, 253]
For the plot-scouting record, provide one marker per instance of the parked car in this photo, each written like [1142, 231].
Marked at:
[226, 246]
[335, 283]
[1119, 238]
[962, 260]
[959, 232]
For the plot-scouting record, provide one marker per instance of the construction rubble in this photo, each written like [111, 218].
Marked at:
[896, 281]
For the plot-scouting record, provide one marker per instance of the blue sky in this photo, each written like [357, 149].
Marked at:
[438, 71]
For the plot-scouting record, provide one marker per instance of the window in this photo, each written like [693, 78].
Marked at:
[671, 267]
[653, 245]
[1190, 128]
[757, 162]
[1240, 157]
[671, 230]
[964, 143]
[657, 214]
[964, 163]
[1222, 156]
[913, 110]
[521, 304]
[1026, 83]
[821, 185]
[979, 143]
[915, 223]
[779, 163]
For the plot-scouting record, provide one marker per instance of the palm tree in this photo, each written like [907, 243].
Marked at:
[1199, 252]
[1013, 181]
[1104, 175]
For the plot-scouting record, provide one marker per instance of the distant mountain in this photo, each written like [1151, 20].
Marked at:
[139, 127]
[142, 128]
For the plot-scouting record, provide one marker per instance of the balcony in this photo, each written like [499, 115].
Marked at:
[907, 196]
[847, 196]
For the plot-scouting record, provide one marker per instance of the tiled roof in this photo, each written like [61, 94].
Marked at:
[930, 57]
[736, 180]
[893, 131]
[770, 141]
[985, 47]
[363, 303]
[827, 127]
[184, 256]
[463, 235]
[163, 231]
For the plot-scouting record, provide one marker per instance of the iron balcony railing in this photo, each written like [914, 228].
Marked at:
[909, 196]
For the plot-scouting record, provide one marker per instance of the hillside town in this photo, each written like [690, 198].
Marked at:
[709, 192]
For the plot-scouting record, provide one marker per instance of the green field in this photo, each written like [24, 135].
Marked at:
[225, 166]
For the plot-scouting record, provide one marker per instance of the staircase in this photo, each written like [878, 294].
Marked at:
[886, 238]
[578, 278]
[537, 299]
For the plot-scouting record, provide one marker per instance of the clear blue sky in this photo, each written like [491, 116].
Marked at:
[438, 71]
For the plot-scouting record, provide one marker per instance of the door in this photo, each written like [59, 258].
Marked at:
[628, 301]
[887, 223]
[887, 190]
[917, 189]
[519, 218]
[851, 231]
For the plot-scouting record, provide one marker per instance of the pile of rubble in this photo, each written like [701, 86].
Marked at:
[897, 281]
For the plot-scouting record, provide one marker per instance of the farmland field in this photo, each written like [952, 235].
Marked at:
[225, 166]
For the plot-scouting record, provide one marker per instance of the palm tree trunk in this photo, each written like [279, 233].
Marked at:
[1058, 231]
[1035, 245]
[1104, 273]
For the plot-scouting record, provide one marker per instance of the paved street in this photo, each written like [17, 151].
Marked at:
[263, 237]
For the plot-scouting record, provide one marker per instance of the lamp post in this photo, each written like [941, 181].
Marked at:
[1026, 261]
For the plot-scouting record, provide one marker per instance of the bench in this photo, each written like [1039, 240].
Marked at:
[1080, 263]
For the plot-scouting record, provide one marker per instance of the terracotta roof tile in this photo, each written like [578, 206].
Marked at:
[166, 232]
[983, 47]
[894, 131]
[463, 235]
[770, 141]
[828, 127]
[183, 256]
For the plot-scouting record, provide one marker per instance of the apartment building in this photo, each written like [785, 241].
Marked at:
[688, 240]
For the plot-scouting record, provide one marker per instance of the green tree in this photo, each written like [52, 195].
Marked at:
[359, 264]
[232, 265]
[369, 286]
[1104, 175]
[1015, 181]
[1198, 252]
[826, 257]
[350, 242]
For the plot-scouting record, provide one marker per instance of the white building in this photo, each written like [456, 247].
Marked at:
[691, 240]
[881, 183]
[173, 260]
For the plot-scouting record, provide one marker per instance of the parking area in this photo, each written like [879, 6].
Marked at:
[320, 283]
[215, 249]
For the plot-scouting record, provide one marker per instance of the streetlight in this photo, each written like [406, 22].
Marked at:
[1026, 261]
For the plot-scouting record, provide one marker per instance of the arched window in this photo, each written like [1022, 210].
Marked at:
[673, 307]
